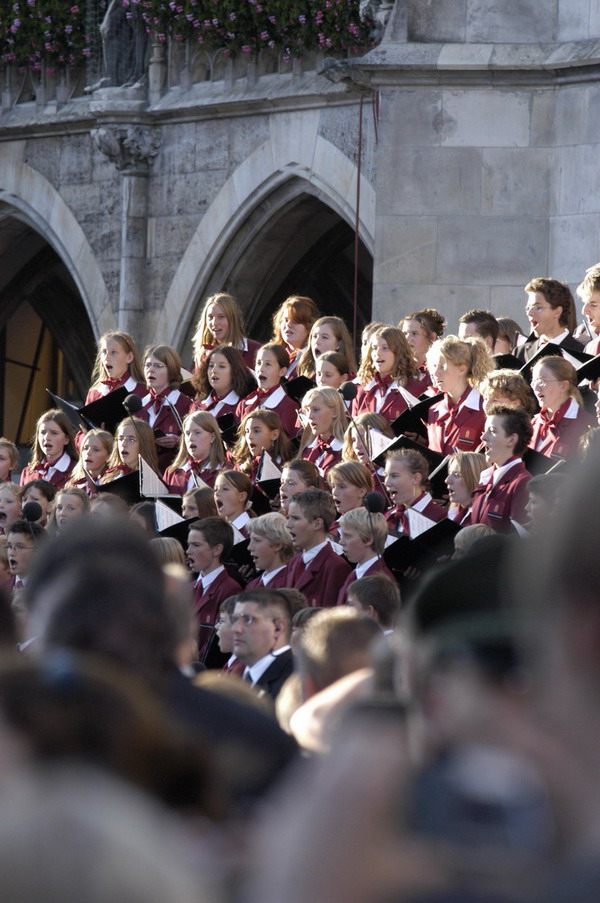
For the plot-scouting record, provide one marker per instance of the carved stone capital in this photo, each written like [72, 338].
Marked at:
[130, 148]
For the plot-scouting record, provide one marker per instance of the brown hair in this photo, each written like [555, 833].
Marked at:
[369, 420]
[236, 331]
[352, 472]
[470, 465]
[430, 319]
[129, 346]
[557, 294]
[242, 381]
[515, 421]
[61, 420]
[145, 435]
[564, 371]
[306, 367]
[169, 356]
[208, 422]
[281, 450]
[298, 309]
[404, 364]
[415, 462]
[512, 385]
[470, 351]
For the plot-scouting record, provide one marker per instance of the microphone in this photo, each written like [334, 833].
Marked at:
[32, 511]
[132, 404]
[375, 503]
[348, 390]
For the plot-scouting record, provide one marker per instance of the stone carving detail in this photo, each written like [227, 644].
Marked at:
[379, 11]
[129, 148]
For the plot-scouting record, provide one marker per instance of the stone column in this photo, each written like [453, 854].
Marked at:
[132, 150]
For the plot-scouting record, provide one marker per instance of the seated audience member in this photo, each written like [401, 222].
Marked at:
[562, 420]
[335, 645]
[406, 476]
[468, 537]
[84, 595]
[317, 570]
[271, 548]
[550, 310]
[377, 597]
[210, 542]
[362, 537]
[480, 323]
[262, 627]
[501, 496]
[22, 541]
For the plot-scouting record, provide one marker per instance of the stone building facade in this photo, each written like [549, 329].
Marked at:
[463, 147]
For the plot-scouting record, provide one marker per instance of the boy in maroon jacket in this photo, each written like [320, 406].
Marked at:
[317, 571]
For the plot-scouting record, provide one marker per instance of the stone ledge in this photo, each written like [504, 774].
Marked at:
[398, 62]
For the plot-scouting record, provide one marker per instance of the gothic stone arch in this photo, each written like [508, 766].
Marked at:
[292, 162]
[27, 195]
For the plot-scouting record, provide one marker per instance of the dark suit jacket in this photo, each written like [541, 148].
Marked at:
[528, 349]
[321, 580]
[272, 680]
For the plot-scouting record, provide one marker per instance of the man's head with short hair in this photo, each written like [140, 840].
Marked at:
[481, 323]
[378, 597]
[371, 529]
[262, 623]
[311, 514]
[98, 588]
[557, 295]
[335, 642]
[210, 542]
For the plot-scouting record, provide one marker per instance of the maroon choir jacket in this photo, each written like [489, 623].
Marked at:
[276, 400]
[562, 431]
[177, 480]
[58, 474]
[321, 579]
[324, 454]
[496, 506]
[390, 405]
[423, 505]
[207, 604]
[279, 580]
[378, 567]
[458, 427]
[218, 406]
[99, 390]
[249, 349]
